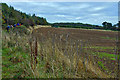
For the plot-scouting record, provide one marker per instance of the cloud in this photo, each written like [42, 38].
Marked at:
[83, 6]
[61, 15]
[96, 14]
[86, 12]
[78, 18]
[97, 8]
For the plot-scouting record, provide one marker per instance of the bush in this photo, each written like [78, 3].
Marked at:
[20, 30]
[4, 26]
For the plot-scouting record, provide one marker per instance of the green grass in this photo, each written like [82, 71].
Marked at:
[102, 65]
[103, 54]
[13, 68]
[109, 38]
[106, 55]
[10, 68]
[100, 47]
[113, 59]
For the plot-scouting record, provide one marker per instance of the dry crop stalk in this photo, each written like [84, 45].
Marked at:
[53, 46]
[81, 47]
[77, 56]
[66, 53]
[36, 51]
[30, 42]
[117, 51]
[86, 55]
[42, 57]
[71, 54]
[41, 52]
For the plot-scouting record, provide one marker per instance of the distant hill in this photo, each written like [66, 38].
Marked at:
[10, 16]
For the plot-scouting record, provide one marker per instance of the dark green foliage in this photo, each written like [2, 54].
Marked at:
[10, 16]
[118, 26]
[77, 25]
[104, 25]
[108, 26]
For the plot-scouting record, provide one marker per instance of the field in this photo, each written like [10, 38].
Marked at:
[60, 53]
[98, 43]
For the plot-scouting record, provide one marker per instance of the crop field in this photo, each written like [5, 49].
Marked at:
[50, 52]
[101, 45]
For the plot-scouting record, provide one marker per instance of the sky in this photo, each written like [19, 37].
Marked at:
[59, 0]
[83, 12]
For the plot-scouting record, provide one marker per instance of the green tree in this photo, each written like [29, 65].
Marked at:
[109, 26]
[104, 25]
[31, 22]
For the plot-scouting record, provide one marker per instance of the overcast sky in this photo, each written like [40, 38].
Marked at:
[84, 12]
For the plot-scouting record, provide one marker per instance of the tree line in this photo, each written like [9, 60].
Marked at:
[77, 25]
[106, 26]
[10, 16]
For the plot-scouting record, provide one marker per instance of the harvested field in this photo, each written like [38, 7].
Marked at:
[100, 45]
[83, 34]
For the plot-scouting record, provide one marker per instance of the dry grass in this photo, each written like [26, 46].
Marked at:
[47, 58]
[72, 65]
